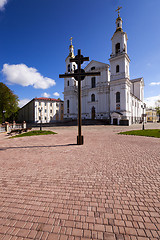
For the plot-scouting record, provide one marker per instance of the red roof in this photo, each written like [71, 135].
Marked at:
[48, 99]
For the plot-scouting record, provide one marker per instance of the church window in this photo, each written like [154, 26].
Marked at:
[117, 68]
[117, 97]
[67, 106]
[117, 48]
[92, 68]
[74, 67]
[68, 67]
[68, 83]
[93, 82]
[118, 25]
[93, 98]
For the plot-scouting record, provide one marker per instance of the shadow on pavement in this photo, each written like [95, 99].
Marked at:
[65, 145]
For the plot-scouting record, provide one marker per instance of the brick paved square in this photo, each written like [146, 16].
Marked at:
[108, 188]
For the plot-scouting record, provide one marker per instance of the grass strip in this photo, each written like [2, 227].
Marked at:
[147, 132]
[34, 133]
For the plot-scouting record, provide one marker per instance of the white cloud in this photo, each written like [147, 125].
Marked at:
[2, 4]
[154, 83]
[23, 102]
[151, 101]
[25, 76]
[56, 94]
[47, 95]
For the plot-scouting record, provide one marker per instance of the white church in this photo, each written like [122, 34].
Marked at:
[112, 95]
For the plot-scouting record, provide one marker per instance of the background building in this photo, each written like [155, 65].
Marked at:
[151, 115]
[112, 95]
[47, 109]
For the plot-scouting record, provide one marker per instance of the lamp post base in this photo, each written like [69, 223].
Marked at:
[79, 140]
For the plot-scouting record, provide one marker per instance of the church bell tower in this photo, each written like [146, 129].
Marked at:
[70, 87]
[119, 80]
[119, 59]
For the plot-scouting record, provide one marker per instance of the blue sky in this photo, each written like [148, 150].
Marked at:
[35, 37]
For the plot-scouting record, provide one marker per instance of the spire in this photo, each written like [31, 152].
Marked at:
[71, 49]
[119, 21]
[71, 41]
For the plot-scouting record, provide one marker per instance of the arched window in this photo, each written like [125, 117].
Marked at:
[67, 106]
[68, 83]
[118, 25]
[68, 67]
[117, 97]
[117, 68]
[117, 47]
[93, 98]
[74, 67]
[93, 82]
[92, 68]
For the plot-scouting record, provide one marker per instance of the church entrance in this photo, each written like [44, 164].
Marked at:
[115, 122]
[93, 113]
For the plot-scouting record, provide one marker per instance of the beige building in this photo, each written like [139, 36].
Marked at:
[151, 115]
[45, 109]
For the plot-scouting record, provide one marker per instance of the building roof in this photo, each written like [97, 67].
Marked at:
[94, 62]
[136, 80]
[48, 99]
[119, 113]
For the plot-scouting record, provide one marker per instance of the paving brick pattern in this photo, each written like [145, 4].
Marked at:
[108, 188]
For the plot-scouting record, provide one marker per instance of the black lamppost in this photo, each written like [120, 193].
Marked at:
[40, 110]
[143, 106]
[4, 115]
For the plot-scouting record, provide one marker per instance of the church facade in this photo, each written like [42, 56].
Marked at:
[112, 95]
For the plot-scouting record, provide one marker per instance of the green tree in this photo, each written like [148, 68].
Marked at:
[158, 108]
[8, 103]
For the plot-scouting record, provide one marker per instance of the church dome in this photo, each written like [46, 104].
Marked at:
[119, 19]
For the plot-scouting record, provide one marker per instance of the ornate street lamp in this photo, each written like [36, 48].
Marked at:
[4, 115]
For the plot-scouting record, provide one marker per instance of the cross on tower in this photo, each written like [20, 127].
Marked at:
[117, 10]
[71, 40]
[79, 75]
